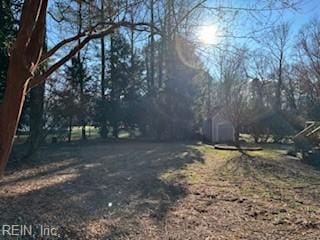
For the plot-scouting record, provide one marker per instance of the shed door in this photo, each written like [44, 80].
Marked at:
[225, 132]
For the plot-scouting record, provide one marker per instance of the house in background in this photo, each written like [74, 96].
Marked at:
[218, 129]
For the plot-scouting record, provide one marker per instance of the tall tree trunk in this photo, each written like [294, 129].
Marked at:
[24, 59]
[115, 130]
[83, 118]
[170, 53]
[237, 136]
[152, 53]
[148, 72]
[279, 84]
[104, 130]
[161, 53]
[291, 97]
[114, 90]
[11, 110]
[70, 129]
[36, 118]
[132, 55]
[36, 110]
[81, 80]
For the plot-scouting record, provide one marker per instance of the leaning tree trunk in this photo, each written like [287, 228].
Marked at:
[26, 55]
[24, 60]
[11, 108]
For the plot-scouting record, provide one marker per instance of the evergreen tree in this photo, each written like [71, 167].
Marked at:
[119, 75]
[7, 33]
[170, 110]
[66, 107]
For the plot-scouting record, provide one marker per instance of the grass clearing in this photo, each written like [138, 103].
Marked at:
[164, 191]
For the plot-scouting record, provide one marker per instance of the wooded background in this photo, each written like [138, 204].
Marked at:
[139, 67]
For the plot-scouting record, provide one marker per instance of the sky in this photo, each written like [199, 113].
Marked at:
[305, 10]
[235, 23]
[243, 22]
[309, 9]
[247, 28]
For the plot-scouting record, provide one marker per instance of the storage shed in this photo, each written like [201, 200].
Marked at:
[218, 129]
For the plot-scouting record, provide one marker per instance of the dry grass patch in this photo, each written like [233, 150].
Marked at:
[164, 191]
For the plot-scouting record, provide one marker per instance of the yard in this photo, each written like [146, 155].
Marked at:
[163, 191]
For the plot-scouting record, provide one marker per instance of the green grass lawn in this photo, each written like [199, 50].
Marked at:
[91, 132]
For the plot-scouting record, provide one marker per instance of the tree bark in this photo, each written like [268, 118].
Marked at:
[26, 55]
[115, 130]
[36, 118]
[152, 53]
[103, 130]
[279, 83]
[11, 110]
[81, 80]
[237, 136]
[24, 59]
[36, 134]
[70, 130]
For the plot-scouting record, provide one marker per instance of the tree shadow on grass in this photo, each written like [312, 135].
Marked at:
[282, 177]
[103, 192]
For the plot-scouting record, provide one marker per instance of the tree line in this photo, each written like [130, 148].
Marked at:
[136, 65]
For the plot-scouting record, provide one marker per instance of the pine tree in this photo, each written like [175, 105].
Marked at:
[119, 75]
[67, 107]
[7, 33]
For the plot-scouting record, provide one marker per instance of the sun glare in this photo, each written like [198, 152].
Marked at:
[208, 34]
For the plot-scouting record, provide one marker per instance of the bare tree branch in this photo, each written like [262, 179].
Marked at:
[41, 78]
[93, 30]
